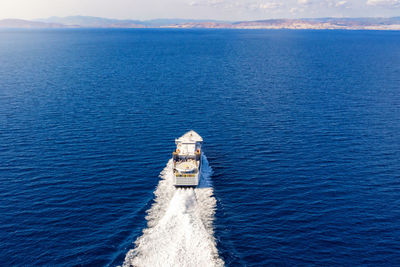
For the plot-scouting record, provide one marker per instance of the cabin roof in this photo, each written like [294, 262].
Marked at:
[190, 137]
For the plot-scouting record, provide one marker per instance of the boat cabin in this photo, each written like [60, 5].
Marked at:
[189, 144]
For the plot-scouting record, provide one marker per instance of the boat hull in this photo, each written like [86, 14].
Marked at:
[187, 160]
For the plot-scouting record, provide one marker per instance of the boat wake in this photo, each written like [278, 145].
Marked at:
[180, 225]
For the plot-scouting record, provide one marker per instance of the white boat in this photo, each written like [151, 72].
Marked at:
[187, 159]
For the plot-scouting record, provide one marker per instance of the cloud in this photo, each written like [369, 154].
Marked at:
[304, 2]
[269, 5]
[341, 3]
[384, 3]
[208, 3]
[324, 3]
[297, 8]
[253, 5]
[266, 5]
[316, 6]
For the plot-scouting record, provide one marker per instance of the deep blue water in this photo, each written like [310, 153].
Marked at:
[301, 128]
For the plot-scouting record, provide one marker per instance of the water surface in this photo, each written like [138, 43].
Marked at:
[301, 129]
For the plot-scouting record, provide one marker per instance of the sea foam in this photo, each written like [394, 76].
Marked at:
[180, 225]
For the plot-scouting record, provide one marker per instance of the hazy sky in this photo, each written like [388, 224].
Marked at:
[199, 9]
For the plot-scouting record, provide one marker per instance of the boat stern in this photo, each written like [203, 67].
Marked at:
[189, 180]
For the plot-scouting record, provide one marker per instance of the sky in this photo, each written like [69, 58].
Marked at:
[230, 10]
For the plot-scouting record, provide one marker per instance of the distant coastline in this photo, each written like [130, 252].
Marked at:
[392, 23]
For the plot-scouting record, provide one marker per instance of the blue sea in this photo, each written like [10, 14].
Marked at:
[301, 133]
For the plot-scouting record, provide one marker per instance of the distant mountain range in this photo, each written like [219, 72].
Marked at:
[317, 23]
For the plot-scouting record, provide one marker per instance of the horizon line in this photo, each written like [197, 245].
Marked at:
[201, 19]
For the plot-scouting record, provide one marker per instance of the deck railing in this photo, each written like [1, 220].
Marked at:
[185, 174]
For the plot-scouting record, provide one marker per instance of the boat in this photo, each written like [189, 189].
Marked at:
[187, 160]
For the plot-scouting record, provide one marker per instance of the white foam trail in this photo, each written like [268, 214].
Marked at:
[180, 225]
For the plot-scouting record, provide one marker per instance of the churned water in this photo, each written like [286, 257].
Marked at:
[180, 225]
[301, 132]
